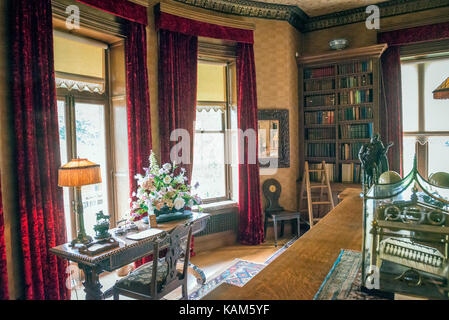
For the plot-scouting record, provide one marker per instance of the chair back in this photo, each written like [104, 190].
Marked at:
[175, 251]
[179, 235]
[272, 191]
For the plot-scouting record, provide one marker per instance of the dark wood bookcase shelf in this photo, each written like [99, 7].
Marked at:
[345, 113]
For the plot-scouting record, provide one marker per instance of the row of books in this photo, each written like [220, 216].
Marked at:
[320, 133]
[350, 151]
[355, 113]
[356, 131]
[319, 117]
[319, 72]
[355, 96]
[356, 81]
[350, 173]
[314, 85]
[330, 171]
[356, 67]
[320, 100]
[321, 150]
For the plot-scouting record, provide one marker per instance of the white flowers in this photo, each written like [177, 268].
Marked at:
[179, 179]
[179, 203]
[167, 179]
[161, 191]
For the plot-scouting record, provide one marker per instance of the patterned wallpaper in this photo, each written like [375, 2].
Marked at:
[276, 43]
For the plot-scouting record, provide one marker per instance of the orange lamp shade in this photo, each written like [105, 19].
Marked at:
[79, 172]
[442, 92]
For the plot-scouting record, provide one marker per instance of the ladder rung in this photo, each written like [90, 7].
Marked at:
[316, 170]
[318, 186]
[322, 202]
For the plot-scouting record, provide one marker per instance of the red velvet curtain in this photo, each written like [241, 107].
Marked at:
[251, 229]
[138, 101]
[4, 295]
[431, 32]
[174, 23]
[391, 99]
[178, 59]
[391, 107]
[40, 200]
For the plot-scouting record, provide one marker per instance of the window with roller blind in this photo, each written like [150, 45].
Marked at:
[82, 100]
[425, 123]
[215, 167]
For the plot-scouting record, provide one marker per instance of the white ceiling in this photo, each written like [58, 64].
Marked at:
[319, 7]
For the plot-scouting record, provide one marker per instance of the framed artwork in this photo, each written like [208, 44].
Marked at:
[274, 137]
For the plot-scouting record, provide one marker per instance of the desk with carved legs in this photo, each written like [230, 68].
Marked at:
[127, 252]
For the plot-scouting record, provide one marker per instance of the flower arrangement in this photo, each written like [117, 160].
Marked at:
[161, 191]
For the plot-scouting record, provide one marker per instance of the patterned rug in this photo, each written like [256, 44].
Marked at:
[343, 282]
[238, 273]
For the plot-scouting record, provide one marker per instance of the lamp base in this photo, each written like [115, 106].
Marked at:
[81, 239]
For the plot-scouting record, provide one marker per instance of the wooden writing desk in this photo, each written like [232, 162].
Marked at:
[297, 274]
[127, 252]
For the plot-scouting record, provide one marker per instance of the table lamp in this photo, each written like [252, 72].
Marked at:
[78, 173]
[442, 92]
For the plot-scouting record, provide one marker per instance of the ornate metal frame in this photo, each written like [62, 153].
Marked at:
[284, 135]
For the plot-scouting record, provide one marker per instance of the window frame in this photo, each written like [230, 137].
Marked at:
[421, 136]
[226, 123]
[70, 98]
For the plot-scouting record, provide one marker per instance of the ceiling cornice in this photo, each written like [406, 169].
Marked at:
[387, 9]
[295, 16]
[301, 21]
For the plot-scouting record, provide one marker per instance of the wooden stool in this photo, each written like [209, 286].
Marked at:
[272, 192]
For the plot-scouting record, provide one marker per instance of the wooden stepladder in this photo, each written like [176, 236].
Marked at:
[307, 186]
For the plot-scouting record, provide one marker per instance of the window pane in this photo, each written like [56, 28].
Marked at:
[211, 120]
[436, 110]
[91, 144]
[64, 160]
[409, 153]
[211, 82]
[208, 165]
[409, 74]
[438, 154]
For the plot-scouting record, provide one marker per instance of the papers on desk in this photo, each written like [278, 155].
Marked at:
[144, 234]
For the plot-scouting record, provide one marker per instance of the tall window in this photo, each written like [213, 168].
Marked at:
[214, 165]
[82, 111]
[425, 121]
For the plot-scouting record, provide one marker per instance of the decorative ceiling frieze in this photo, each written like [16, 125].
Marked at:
[301, 21]
[387, 9]
[295, 16]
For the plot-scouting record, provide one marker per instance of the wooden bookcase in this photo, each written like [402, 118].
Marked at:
[339, 96]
